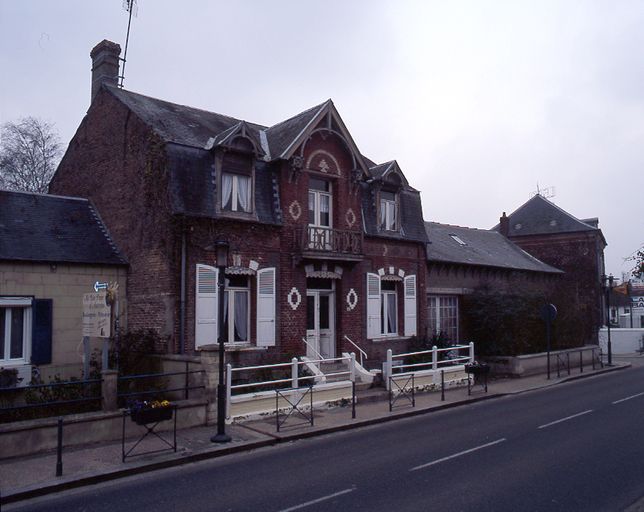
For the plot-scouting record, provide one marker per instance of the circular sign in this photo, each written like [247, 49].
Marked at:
[549, 312]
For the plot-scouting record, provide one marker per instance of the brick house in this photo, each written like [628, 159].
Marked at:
[462, 261]
[52, 251]
[325, 245]
[575, 246]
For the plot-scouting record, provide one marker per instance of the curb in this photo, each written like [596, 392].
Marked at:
[273, 440]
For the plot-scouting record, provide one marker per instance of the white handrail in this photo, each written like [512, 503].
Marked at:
[362, 352]
[320, 356]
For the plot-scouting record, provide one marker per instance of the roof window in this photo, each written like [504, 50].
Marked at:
[457, 239]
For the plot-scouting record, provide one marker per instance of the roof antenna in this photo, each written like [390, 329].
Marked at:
[547, 192]
[131, 7]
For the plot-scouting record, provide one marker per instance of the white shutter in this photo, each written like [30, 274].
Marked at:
[410, 306]
[206, 306]
[373, 306]
[266, 307]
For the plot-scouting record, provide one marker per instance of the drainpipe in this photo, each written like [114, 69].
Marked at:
[182, 299]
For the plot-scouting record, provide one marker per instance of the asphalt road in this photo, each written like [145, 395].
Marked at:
[577, 446]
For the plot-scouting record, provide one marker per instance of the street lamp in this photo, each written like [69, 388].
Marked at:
[222, 261]
[607, 283]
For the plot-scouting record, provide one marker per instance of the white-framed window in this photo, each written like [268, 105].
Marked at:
[388, 211]
[443, 317]
[320, 203]
[236, 325]
[236, 192]
[15, 330]
[389, 308]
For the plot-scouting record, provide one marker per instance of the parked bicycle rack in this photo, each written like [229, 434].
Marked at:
[408, 394]
[294, 405]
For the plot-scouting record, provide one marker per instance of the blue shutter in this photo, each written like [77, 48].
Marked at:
[41, 311]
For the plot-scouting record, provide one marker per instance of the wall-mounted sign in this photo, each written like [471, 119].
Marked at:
[637, 302]
[96, 315]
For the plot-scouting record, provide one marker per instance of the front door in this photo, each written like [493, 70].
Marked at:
[320, 324]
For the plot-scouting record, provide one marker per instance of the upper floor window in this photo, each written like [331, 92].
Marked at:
[320, 203]
[388, 211]
[236, 192]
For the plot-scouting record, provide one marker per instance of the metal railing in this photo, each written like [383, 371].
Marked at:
[317, 354]
[362, 352]
[321, 239]
[398, 368]
[54, 394]
[294, 381]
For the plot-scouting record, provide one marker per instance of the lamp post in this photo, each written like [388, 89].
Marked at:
[222, 261]
[607, 282]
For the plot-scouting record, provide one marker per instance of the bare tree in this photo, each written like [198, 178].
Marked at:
[30, 150]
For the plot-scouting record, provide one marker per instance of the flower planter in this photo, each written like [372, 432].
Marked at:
[477, 369]
[151, 415]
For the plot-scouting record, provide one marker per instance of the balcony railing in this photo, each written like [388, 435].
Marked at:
[328, 240]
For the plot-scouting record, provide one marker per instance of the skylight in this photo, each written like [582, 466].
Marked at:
[457, 239]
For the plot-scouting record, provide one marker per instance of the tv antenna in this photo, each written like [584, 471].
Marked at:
[132, 8]
[547, 192]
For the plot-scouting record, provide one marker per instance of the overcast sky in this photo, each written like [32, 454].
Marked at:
[478, 101]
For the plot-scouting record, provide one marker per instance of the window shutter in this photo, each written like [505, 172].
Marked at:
[410, 306]
[206, 305]
[266, 307]
[373, 305]
[41, 330]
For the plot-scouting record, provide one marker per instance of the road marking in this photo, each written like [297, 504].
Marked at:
[627, 398]
[318, 500]
[458, 454]
[565, 419]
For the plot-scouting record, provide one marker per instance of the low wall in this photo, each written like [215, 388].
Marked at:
[263, 403]
[33, 436]
[622, 341]
[430, 380]
[533, 364]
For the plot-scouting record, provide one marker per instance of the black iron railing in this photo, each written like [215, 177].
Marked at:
[329, 240]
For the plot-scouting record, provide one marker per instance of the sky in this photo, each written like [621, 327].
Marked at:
[479, 101]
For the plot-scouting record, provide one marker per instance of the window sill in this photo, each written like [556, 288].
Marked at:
[390, 337]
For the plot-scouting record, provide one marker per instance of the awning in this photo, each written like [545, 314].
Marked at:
[391, 277]
[323, 274]
[240, 271]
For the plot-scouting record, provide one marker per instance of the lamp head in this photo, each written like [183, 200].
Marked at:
[222, 253]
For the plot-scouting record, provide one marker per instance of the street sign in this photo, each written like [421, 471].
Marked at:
[96, 315]
[100, 286]
[549, 313]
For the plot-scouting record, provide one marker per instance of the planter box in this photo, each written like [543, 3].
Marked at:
[151, 415]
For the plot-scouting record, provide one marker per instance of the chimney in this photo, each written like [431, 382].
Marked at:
[105, 65]
[504, 225]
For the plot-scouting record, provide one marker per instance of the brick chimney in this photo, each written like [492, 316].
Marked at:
[504, 225]
[105, 65]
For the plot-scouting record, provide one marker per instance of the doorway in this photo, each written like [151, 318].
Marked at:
[320, 324]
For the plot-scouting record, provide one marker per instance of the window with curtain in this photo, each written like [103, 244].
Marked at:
[236, 310]
[236, 192]
[389, 308]
[443, 317]
[388, 211]
[14, 333]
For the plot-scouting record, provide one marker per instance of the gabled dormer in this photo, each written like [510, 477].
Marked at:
[388, 181]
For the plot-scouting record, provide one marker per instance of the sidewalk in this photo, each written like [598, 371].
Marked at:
[27, 477]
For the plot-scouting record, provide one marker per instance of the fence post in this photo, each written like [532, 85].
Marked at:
[434, 357]
[471, 352]
[59, 451]
[229, 391]
[442, 385]
[388, 367]
[568, 361]
[294, 373]
[581, 362]
[109, 387]
[187, 382]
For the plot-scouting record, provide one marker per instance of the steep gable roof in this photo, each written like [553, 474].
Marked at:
[541, 216]
[480, 247]
[39, 227]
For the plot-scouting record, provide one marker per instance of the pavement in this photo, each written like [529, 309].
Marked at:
[27, 477]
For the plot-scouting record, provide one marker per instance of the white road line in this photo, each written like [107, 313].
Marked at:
[458, 454]
[318, 500]
[565, 419]
[627, 398]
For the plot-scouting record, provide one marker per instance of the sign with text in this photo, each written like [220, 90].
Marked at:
[637, 302]
[96, 315]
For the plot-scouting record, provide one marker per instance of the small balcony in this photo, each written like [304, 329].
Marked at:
[327, 243]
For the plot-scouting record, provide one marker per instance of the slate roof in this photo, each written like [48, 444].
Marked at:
[540, 216]
[282, 135]
[482, 248]
[46, 228]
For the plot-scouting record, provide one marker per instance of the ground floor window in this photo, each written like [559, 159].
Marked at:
[15, 329]
[443, 317]
[236, 310]
[389, 308]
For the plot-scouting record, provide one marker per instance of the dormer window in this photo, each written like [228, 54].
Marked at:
[388, 211]
[235, 192]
